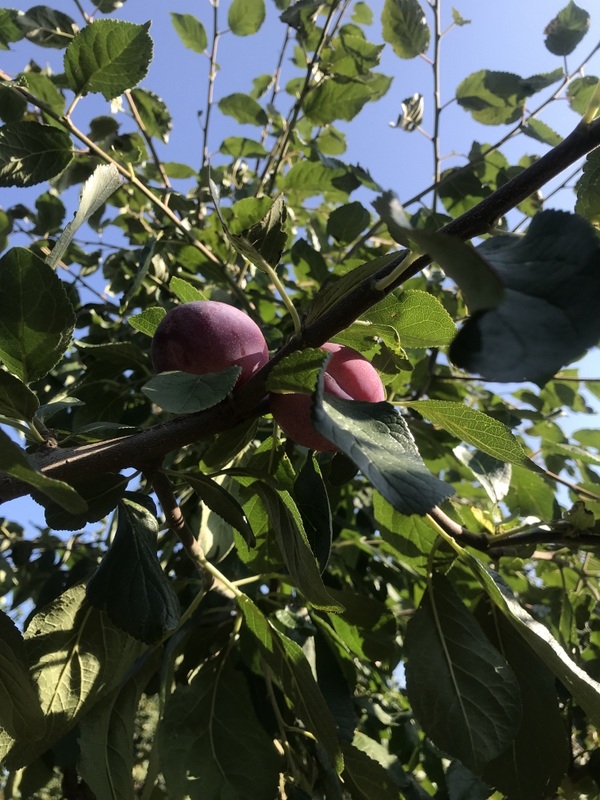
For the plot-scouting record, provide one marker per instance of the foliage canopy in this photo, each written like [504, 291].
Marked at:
[210, 610]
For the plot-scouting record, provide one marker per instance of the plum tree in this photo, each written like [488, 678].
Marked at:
[348, 376]
[208, 336]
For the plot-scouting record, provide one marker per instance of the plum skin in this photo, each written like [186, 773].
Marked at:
[208, 336]
[348, 376]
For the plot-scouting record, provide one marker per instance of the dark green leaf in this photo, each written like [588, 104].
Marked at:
[47, 27]
[10, 30]
[153, 113]
[340, 97]
[184, 393]
[108, 56]
[541, 132]
[547, 318]
[31, 153]
[588, 189]
[493, 98]
[101, 494]
[16, 400]
[347, 222]
[379, 442]
[130, 584]
[222, 503]
[20, 712]
[567, 29]
[269, 235]
[461, 689]
[243, 108]
[405, 27]
[16, 462]
[205, 753]
[245, 17]
[365, 777]
[12, 104]
[191, 31]
[313, 503]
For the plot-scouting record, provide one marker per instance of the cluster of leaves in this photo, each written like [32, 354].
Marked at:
[413, 616]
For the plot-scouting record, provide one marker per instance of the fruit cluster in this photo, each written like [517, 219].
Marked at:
[209, 336]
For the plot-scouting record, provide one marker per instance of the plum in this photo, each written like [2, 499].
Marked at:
[208, 336]
[348, 376]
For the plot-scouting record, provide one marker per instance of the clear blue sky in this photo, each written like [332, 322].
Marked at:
[505, 36]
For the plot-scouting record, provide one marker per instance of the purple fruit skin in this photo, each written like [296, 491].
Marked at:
[208, 336]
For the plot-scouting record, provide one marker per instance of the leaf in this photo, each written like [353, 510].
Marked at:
[313, 504]
[340, 97]
[16, 462]
[412, 538]
[130, 584]
[405, 27]
[240, 147]
[419, 319]
[533, 765]
[101, 495]
[245, 17]
[17, 401]
[20, 711]
[243, 109]
[547, 318]
[31, 153]
[461, 689]
[580, 93]
[541, 132]
[107, 738]
[588, 189]
[36, 316]
[493, 98]
[379, 442]
[104, 181]
[584, 689]
[153, 113]
[361, 773]
[286, 523]
[347, 222]
[269, 235]
[47, 27]
[288, 663]
[205, 753]
[108, 56]
[147, 322]
[184, 393]
[191, 31]
[77, 656]
[365, 777]
[222, 503]
[566, 29]
[184, 291]
[492, 474]
[476, 428]
[298, 372]
[10, 30]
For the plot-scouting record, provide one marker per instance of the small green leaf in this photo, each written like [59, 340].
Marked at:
[418, 317]
[31, 153]
[153, 113]
[588, 189]
[47, 27]
[222, 503]
[347, 222]
[245, 17]
[184, 291]
[36, 317]
[580, 92]
[108, 56]
[379, 442]
[313, 504]
[461, 689]
[184, 393]
[493, 98]
[567, 29]
[147, 322]
[240, 147]
[297, 372]
[191, 31]
[16, 400]
[10, 30]
[243, 108]
[101, 494]
[538, 130]
[405, 27]
[130, 584]
[16, 462]
[474, 427]
[342, 98]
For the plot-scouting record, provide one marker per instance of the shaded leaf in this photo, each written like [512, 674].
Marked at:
[566, 29]
[184, 393]
[493, 98]
[108, 56]
[17, 401]
[47, 27]
[347, 222]
[588, 189]
[153, 113]
[10, 30]
[405, 27]
[461, 689]
[101, 494]
[130, 584]
[222, 503]
[31, 153]
[313, 503]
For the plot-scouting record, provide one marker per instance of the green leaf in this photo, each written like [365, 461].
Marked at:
[288, 662]
[461, 689]
[245, 17]
[16, 400]
[222, 503]
[361, 773]
[492, 474]
[405, 27]
[533, 765]
[36, 317]
[541, 132]
[130, 584]
[108, 56]
[365, 777]
[10, 30]
[20, 711]
[184, 393]
[347, 222]
[191, 31]
[580, 92]
[548, 317]
[341, 97]
[47, 27]
[31, 153]
[153, 113]
[566, 29]
[588, 189]
[412, 538]
[16, 462]
[240, 147]
[297, 372]
[268, 236]
[419, 319]
[77, 656]
[379, 442]
[493, 98]
[107, 737]
[184, 291]
[313, 504]
[244, 109]
[474, 427]
[101, 495]
[206, 754]
[147, 322]
[286, 523]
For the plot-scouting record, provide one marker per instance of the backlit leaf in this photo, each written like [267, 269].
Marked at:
[566, 29]
[47, 27]
[245, 17]
[31, 153]
[20, 711]
[405, 27]
[191, 31]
